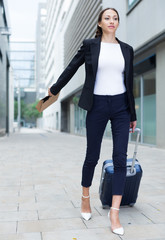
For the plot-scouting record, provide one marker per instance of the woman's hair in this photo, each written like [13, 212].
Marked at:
[99, 29]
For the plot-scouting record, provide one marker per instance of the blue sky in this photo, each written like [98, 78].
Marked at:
[23, 16]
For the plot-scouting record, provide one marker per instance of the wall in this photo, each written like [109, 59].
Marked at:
[160, 96]
[4, 79]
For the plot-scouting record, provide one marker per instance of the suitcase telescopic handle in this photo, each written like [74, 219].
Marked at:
[135, 150]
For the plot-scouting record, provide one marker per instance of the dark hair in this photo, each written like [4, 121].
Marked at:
[99, 29]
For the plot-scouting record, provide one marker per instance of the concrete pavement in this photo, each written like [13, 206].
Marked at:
[40, 191]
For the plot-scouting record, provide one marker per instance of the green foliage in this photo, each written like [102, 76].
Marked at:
[75, 100]
[31, 112]
[23, 108]
[28, 111]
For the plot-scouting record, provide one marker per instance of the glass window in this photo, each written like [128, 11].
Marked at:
[132, 3]
[145, 98]
[149, 108]
[22, 46]
[24, 56]
[27, 65]
[24, 74]
[80, 120]
[145, 104]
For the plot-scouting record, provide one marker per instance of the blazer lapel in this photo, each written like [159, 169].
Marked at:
[95, 51]
[126, 55]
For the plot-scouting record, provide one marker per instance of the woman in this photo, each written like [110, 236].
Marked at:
[107, 95]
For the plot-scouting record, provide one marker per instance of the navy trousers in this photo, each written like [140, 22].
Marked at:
[105, 108]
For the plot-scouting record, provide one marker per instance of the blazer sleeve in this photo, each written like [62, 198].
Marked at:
[131, 69]
[133, 111]
[70, 70]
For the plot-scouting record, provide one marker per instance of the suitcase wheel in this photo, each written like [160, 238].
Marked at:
[131, 204]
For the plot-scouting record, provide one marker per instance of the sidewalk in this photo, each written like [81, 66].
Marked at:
[40, 190]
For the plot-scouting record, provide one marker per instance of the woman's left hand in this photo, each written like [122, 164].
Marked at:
[133, 125]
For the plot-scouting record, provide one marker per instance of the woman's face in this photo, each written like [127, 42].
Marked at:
[109, 22]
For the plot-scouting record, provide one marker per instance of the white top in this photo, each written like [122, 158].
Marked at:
[110, 72]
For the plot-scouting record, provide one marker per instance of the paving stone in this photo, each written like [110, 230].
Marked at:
[133, 215]
[8, 207]
[10, 188]
[128, 215]
[9, 200]
[25, 236]
[7, 227]
[50, 225]
[26, 188]
[8, 194]
[27, 193]
[152, 213]
[141, 232]
[51, 196]
[45, 205]
[81, 234]
[98, 222]
[18, 216]
[44, 187]
[27, 199]
[62, 213]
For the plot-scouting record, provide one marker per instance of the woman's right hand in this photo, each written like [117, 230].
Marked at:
[49, 93]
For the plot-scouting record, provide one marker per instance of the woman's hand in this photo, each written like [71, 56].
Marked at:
[133, 125]
[49, 93]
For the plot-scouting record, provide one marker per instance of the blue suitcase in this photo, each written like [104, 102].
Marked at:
[133, 177]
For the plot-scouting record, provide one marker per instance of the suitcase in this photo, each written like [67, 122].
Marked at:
[133, 177]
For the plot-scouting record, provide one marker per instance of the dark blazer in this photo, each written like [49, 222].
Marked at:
[89, 53]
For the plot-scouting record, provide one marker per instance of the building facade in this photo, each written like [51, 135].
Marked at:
[40, 50]
[66, 30]
[6, 83]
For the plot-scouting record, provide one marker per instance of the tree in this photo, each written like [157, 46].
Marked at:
[28, 111]
[31, 113]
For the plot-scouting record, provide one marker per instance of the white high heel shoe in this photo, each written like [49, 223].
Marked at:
[119, 231]
[85, 215]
